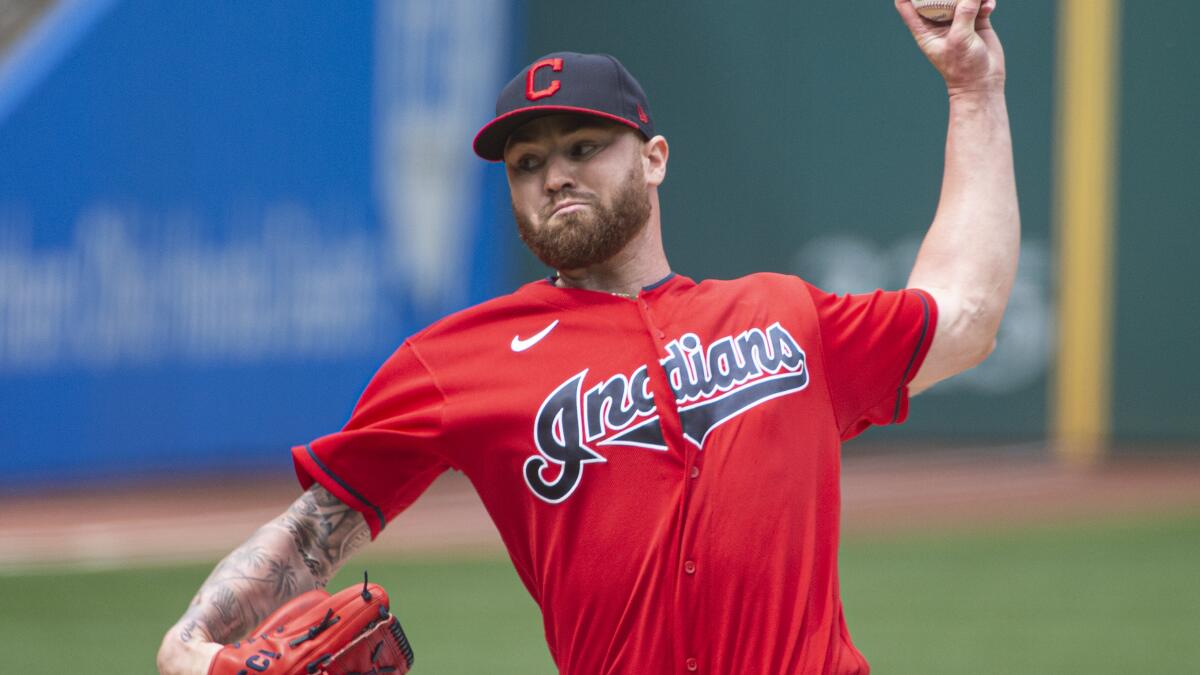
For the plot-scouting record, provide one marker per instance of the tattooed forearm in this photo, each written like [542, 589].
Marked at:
[298, 551]
[325, 531]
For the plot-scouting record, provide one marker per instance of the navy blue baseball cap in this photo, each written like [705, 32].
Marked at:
[566, 82]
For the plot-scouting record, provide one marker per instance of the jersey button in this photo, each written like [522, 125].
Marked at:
[689, 567]
[695, 471]
[692, 665]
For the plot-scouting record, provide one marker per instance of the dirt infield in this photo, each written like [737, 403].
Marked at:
[894, 492]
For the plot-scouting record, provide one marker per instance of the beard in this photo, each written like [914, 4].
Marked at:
[590, 236]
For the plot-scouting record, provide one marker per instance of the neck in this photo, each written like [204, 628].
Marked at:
[640, 263]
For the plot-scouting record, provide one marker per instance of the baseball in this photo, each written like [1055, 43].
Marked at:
[935, 10]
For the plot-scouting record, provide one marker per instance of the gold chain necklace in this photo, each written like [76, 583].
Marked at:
[619, 294]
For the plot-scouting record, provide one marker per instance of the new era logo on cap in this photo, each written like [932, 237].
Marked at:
[566, 82]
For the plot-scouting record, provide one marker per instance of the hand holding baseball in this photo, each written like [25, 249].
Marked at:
[966, 50]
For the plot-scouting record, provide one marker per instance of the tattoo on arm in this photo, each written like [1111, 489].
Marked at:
[325, 531]
[298, 551]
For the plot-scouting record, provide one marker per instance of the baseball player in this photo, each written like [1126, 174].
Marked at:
[659, 455]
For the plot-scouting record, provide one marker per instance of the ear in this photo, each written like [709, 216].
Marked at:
[654, 160]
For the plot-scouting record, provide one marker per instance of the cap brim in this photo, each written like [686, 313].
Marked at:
[490, 141]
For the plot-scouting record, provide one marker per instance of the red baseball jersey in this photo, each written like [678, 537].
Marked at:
[663, 471]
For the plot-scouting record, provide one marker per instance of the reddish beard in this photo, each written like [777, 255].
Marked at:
[591, 235]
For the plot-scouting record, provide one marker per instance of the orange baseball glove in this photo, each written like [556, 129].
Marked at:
[351, 632]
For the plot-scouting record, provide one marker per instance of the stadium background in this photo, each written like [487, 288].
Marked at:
[216, 219]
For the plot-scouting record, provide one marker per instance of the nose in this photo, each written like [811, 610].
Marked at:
[559, 174]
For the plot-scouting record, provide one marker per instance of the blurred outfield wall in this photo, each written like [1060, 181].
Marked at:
[217, 219]
[808, 138]
[1157, 241]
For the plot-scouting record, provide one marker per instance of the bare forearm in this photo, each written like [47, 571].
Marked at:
[972, 245]
[298, 551]
[969, 257]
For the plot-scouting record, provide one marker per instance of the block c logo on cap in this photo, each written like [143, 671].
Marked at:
[534, 94]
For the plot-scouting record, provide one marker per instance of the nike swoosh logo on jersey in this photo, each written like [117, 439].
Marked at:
[519, 345]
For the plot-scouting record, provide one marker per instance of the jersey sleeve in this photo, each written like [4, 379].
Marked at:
[873, 344]
[389, 452]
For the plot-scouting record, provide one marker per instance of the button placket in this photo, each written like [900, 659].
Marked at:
[672, 429]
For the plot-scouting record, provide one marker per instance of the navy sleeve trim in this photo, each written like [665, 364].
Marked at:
[345, 486]
[913, 358]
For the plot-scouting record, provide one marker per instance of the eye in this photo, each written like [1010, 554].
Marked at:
[527, 163]
[584, 149]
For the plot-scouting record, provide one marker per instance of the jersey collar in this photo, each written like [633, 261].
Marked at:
[579, 297]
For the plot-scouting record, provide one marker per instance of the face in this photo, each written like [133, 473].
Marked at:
[579, 192]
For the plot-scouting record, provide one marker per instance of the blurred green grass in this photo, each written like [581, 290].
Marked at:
[1093, 598]
[1097, 598]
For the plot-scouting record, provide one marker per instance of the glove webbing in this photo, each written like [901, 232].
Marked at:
[397, 634]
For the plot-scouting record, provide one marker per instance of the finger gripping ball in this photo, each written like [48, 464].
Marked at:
[936, 10]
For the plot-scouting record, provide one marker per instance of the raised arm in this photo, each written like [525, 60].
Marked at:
[296, 552]
[968, 259]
